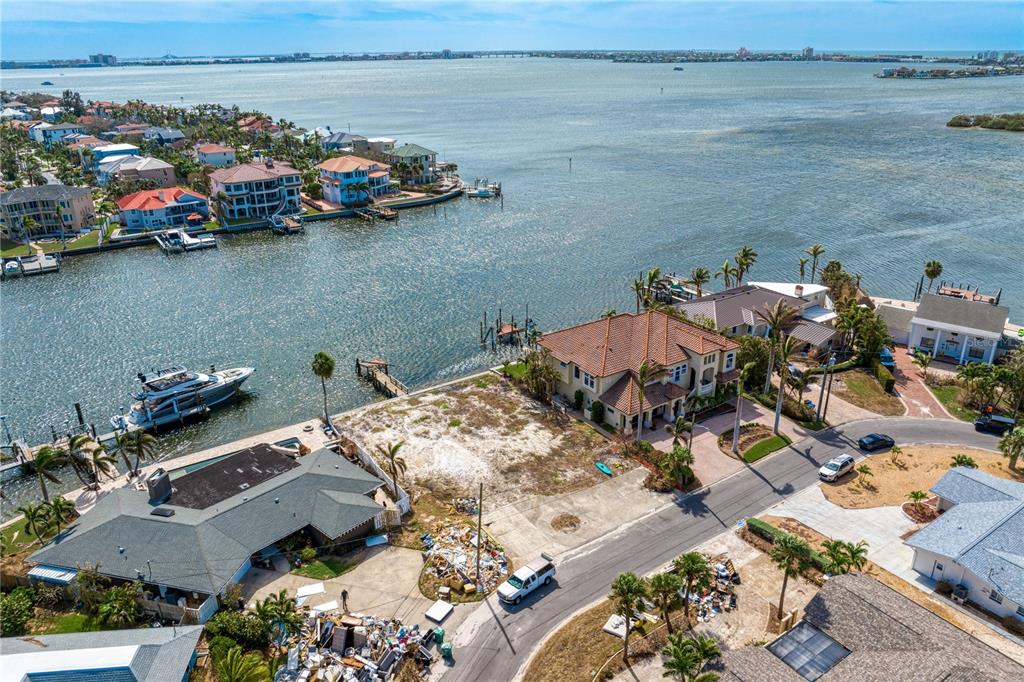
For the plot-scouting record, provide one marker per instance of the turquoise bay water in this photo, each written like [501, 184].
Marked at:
[774, 155]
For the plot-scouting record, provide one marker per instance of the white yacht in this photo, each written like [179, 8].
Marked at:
[176, 394]
[180, 240]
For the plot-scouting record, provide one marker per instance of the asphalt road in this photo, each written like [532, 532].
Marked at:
[506, 636]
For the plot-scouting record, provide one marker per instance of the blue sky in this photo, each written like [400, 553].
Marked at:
[34, 29]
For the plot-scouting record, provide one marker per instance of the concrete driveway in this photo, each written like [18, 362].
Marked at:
[881, 527]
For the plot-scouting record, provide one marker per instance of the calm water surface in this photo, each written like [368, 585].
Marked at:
[777, 156]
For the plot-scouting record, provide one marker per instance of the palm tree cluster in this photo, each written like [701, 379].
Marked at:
[842, 557]
[280, 613]
[1012, 445]
[686, 657]
[540, 375]
[44, 518]
[89, 461]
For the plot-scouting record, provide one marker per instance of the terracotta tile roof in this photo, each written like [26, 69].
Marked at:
[252, 172]
[88, 141]
[623, 395]
[622, 342]
[148, 200]
[215, 148]
[347, 164]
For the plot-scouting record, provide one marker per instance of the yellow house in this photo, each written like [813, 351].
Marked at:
[602, 358]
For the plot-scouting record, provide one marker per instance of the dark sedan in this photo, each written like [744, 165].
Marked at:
[875, 441]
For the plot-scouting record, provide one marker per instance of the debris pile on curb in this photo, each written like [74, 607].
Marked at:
[719, 596]
[450, 554]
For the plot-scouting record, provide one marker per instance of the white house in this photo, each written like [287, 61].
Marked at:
[159, 208]
[217, 155]
[338, 177]
[9, 114]
[978, 542]
[51, 114]
[956, 330]
[49, 134]
[109, 152]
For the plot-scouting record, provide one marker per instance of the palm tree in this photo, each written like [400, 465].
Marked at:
[787, 346]
[101, 463]
[323, 367]
[744, 373]
[665, 591]
[45, 460]
[238, 667]
[776, 317]
[647, 372]
[396, 463]
[962, 460]
[814, 252]
[865, 474]
[792, 555]
[1012, 445]
[745, 259]
[360, 188]
[704, 647]
[677, 430]
[803, 268]
[680, 662]
[932, 270]
[59, 509]
[640, 293]
[138, 443]
[37, 519]
[678, 464]
[726, 272]
[78, 457]
[120, 607]
[922, 360]
[694, 570]
[628, 592]
[698, 278]
[856, 554]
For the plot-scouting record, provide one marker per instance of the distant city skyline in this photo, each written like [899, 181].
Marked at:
[68, 29]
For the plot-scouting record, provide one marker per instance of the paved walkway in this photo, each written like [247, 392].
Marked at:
[910, 386]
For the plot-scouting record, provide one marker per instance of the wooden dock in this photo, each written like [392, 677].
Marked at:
[377, 372]
[372, 213]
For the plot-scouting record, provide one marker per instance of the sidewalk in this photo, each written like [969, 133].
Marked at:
[910, 386]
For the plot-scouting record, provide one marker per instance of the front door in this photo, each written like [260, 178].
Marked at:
[937, 570]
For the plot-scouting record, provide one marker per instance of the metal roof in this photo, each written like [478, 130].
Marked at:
[52, 574]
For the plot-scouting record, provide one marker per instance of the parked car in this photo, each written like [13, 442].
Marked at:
[794, 371]
[886, 359]
[836, 467]
[875, 441]
[527, 579]
[994, 423]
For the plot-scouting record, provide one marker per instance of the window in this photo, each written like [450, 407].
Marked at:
[708, 359]
[1020, 610]
[576, 372]
[610, 410]
[561, 364]
[588, 380]
[677, 373]
[729, 359]
[938, 567]
[995, 596]
[733, 331]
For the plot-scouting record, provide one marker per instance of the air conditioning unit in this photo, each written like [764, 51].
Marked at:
[959, 594]
[159, 485]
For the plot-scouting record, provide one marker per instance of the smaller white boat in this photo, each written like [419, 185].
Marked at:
[12, 269]
[480, 192]
[179, 240]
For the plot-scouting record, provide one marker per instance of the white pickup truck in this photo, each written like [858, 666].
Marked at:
[527, 579]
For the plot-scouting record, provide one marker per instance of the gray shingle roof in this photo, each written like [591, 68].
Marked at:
[43, 193]
[163, 654]
[956, 311]
[736, 306]
[201, 549]
[889, 637]
[895, 317]
[965, 484]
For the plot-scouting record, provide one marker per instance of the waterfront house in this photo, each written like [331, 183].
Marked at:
[140, 655]
[414, 156]
[601, 358]
[195, 533]
[217, 155]
[109, 152]
[257, 124]
[49, 134]
[978, 541]
[54, 210]
[957, 330]
[159, 208]
[345, 142]
[857, 628]
[381, 145]
[164, 136]
[734, 312]
[340, 174]
[256, 190]
[137, 168]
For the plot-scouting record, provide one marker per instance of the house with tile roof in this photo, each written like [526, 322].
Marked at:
[339, 175]
[602, 358]
[415, 156]
[217, 155]
[160, 208]
[165, 654]
[978, 542]
[857, 629]
[45, 211]
[140, 169]
[195, 532]
[258, 189]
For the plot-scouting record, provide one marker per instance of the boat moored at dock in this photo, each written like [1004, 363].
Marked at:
[175, 395]
[180, 240]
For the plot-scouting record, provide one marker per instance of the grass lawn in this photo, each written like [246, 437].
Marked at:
[52, 623]
[516, 370]
[324, 569]
[10, 248]
[766, 447]
[949, 396]
[311, 211]
[863, 390]
[211, 225]
[17, 540]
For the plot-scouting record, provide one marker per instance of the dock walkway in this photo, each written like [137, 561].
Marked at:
[377, 373]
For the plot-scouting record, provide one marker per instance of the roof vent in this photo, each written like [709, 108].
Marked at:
[162, 511]
[799, 290]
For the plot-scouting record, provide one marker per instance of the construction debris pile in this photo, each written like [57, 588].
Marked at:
[450, 555]
[719, 595]
[466, 505]
[356, 648]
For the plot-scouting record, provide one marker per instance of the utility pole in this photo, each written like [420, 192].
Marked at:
[824, 376]
[479, 537]
[824, 411]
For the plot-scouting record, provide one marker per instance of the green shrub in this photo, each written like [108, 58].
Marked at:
[838, 367]
[245, 628]
[16, 609]
[597, 412]
[769, 532]
[944, 587]
[577, 399]
[884, 376]
[307, 554]
[219, 647]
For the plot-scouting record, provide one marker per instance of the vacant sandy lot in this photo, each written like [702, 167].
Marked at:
[484, 430]
[924, 465]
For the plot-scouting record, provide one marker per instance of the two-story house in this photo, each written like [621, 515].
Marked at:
[256, 190]
[49, 134]
[129, 167]
[217, 155]
[45, 211]
[345, 141]
[108, 152]
[602, 359]
[342, 177]
[159, 208]
[164, 136]
[419, 160]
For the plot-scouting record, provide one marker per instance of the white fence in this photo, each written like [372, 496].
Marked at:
[403, 503]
